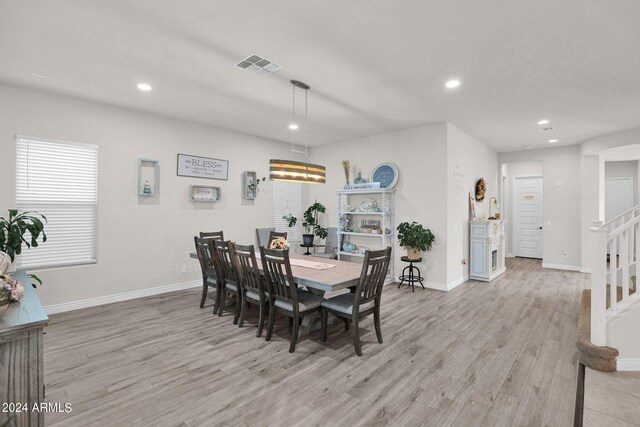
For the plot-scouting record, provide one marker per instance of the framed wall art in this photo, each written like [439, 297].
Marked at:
[202, 167]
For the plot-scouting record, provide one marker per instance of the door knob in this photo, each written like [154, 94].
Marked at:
[539, 228]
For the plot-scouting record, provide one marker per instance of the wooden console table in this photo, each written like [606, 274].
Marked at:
[21, 356]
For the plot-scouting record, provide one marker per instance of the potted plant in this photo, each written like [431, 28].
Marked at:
[415, 238]
[13, 230]
[291, 220]
[311, 226]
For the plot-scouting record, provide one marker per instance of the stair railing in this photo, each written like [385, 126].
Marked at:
[620, 239]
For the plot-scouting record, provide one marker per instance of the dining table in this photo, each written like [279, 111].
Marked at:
[314, 274]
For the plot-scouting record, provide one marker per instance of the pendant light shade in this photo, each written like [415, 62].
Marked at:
[291, 171]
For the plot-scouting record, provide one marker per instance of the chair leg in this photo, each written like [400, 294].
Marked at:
[260, 320]
[376, 321]
[356, 337]
[223, 298]
[272, 321]
[323, 325]
[294, 335]
[236, 310]
[205, 289]
[347, 324]
[243, 309]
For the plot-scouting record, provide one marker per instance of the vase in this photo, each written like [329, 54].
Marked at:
[359, 179]
[4, 308]
[6, 265]
[413, 253]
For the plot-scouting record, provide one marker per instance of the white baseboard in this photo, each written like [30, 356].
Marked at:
[585, 270]
[446, 286]
[510, 255]
[628, 364]
[561, 266]
[108, 299]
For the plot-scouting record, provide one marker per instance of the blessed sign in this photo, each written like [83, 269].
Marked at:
[202, 167]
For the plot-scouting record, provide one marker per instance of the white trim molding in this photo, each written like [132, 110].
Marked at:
[445, 287]
[108, 299]
[624, 364]
[562, 266]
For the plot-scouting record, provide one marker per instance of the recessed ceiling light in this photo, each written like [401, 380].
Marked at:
[543, 122]
[452, 83]
[526, 147]
[38, 75]
[293, 126]
[145, 87]
[552, 141]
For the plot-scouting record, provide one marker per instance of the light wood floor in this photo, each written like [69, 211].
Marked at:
[611, 399]
[492, 354]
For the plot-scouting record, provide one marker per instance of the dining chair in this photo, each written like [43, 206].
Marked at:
[227, 277]
[330, 245]
[216, 235]
[273, 235]
[262, 236]
[284, 295]
[249, 278]
[205, 250]
[365, 300]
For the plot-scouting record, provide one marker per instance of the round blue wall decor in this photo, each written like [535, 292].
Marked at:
[386, 174]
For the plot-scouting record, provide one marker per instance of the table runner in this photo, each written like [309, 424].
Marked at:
[308, 264]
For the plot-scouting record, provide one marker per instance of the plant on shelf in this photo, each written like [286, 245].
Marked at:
[255, 185]
[13, 230]
[415, 238]
[311, 226]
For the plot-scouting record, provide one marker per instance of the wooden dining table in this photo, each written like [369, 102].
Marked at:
[342, 276]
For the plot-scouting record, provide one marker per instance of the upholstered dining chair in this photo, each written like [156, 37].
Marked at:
[227, 277]
[216, 235]
[205, 250]
[365, 300]
[262, 236]
[249, 278]
[284, 295]
[331, 245]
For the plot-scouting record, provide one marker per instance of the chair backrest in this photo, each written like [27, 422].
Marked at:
[277, 273]
[215, 235]
[374, 271]
[262, 236]
[246, 268]
[223, 262]
[205, 248]
[273, 235]
[332, 240]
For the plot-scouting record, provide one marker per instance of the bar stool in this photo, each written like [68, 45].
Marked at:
[411, 278]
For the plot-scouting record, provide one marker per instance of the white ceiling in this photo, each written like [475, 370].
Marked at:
[373, 66]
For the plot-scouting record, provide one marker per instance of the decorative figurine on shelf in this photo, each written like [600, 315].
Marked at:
[147, 188]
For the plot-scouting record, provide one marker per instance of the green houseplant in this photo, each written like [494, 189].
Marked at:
[13, 230]
[415, 238]
[311, 226]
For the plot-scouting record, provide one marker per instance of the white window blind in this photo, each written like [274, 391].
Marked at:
[59, 180]
[287, 199]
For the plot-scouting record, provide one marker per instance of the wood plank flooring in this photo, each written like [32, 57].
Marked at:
[611, 399]
[483, 354]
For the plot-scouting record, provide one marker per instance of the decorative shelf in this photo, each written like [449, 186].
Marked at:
[366, 213]
[148, 172]
[249, 178]
[352, 233]
[205, 194]
[370, 191]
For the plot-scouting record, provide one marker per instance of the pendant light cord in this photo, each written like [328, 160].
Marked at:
[306, 123]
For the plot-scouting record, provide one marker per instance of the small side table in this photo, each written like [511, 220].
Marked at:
[308, 247]
[411, 278]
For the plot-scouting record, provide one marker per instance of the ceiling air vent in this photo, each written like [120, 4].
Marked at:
[258, 65]
[545, 129]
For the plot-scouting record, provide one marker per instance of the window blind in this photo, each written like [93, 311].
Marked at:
[287, 199]
[60, 180]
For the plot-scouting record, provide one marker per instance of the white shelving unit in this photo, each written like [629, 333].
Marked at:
[385, 199]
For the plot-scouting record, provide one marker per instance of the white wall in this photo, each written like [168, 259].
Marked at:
[142, 243]
[509, 172]
[421, 195]
[468, 160]
[623, 169]
[562, 190]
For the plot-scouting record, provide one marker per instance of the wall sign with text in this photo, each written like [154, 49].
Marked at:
[202, 167]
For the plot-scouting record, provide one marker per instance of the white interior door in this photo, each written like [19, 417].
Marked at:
[618, 196]
[528, 217]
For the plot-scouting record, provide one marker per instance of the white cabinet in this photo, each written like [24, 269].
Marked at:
[486, 247]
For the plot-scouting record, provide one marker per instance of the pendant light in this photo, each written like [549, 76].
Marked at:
[294, 171]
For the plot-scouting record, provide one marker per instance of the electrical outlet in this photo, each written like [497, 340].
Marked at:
[184, 267]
